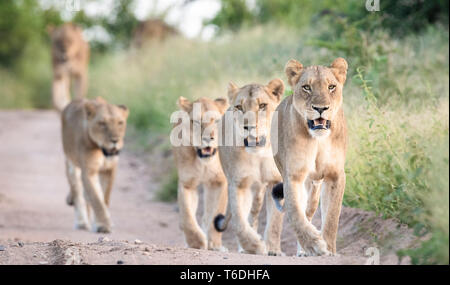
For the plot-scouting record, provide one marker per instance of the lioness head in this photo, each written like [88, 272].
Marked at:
[65, 41]
[317, 93]
[106, 124]
[204, 114]
[255, 104]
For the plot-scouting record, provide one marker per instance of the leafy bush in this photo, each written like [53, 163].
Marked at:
[399, 17]
[169, 189]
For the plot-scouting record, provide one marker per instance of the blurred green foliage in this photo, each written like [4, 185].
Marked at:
[119, 25]
[22, 23]
[397, 16]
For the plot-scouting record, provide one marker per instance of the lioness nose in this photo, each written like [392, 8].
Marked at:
[320, 109]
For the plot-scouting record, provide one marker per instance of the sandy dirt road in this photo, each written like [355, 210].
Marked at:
[36, 226]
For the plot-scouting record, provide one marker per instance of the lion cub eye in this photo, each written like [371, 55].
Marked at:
[238, 107]
[121, 123]
[102, 124]
[262, 106]
[332, 87]
[306, 88]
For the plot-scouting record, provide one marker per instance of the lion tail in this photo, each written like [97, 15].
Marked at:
[278, 196]
[221, 221]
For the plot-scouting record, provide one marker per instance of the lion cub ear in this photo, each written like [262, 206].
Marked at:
[222, 104]
[276, 88]
[90, 107]
[339, 68]
[293, 70]
[232, 90]
[124, 109]
[184, 104]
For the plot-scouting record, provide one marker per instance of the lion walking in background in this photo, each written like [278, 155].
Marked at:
[70, 58]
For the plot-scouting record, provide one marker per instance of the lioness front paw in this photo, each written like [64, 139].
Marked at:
[103, 229]
[81, 226]
[276, 253]
[220, 249]
[317, 247]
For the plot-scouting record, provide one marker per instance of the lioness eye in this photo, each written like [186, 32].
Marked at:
[331, 87]
[238, 107]
[262, 106]
[306, 88]
[120, 123]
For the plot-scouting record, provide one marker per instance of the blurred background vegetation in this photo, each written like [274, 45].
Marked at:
[396, 95]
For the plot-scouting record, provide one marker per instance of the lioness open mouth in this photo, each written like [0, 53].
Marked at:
[319, 124]
[111, 152]
[255, 143]
[206, 152]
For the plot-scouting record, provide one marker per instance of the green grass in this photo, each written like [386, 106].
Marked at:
[395, 99]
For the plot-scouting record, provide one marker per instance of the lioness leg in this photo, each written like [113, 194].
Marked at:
[258, 200]
[274, 226]
[240, 199]
[215, 202]
[295, 203]
[330, 206]
[80, 86]
[94, 194]
[106, 180]
[313, 190]
[188, 201]
[76, 197]
[61, 91]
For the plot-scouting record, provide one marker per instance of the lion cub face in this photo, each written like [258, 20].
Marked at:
[317, 93]
[204, 114]
[253, 106]
[65, 42]
[106, 125]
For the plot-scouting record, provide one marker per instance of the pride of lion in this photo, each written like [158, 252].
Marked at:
[251, 147]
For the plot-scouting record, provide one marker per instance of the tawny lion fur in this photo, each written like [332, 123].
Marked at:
[70, 57]
[194, 170]
[92, 135]
[313, 160]
[251, 170]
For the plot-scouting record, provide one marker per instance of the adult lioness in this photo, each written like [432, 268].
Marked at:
[70, 57]
[198, 164]
[92, 134]
[249, 167]
[311, 151]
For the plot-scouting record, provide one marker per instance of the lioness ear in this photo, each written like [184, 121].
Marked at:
[90, 107]
[339, 68]
[222, 104]
[293, 70]
[232, 90]
[125, 110]
[100, 100]
[184, 104]
[276, 88]
[50, 29]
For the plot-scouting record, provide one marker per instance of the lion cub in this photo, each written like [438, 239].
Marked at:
[249, 166]
[198, 164]
[70, 57]
[92, 134]
[311, 153]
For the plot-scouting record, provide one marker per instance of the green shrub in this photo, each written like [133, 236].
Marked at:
[169, 189]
